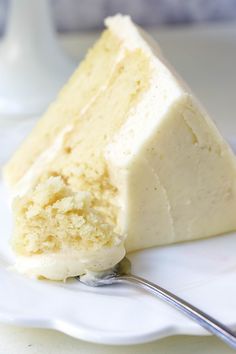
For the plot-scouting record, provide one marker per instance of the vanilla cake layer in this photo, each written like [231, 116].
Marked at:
[123, 160]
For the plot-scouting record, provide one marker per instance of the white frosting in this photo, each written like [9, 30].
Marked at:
[126, 143]
[123, 27]
[129, 140]
[26, 181]
[70, 262]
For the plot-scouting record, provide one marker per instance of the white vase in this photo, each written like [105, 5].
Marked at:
[32, 65]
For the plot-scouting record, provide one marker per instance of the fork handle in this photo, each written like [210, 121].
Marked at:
[203, 319]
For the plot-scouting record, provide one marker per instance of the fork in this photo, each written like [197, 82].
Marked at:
[121, 273]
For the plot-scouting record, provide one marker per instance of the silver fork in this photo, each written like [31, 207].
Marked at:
[121, 274]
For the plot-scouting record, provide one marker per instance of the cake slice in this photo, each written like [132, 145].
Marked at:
[124, 159]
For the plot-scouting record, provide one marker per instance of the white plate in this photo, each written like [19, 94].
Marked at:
[203, 273]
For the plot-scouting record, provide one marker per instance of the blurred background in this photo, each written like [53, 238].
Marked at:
[83, 15]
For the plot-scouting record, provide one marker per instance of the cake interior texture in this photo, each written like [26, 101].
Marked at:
[53, 216]
[124, 159]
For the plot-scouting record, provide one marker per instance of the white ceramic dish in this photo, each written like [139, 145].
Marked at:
[202, 272]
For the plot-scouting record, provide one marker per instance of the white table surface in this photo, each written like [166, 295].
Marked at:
[206, 58]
